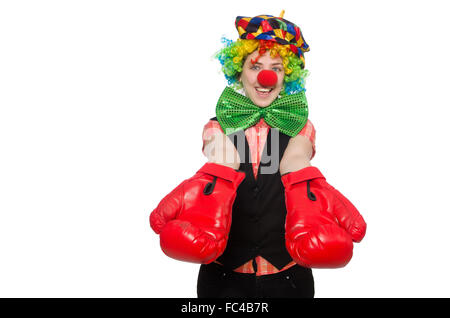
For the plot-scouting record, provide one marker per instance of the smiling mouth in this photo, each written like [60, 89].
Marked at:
[263, 91]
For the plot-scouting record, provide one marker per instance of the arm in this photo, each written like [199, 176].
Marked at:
[300, 150]
[218, 148]
[193, 220]
[297, 155]
[321, 224]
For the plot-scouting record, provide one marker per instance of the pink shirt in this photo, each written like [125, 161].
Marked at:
[256, 138]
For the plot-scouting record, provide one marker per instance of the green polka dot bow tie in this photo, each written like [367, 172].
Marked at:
[237, 112]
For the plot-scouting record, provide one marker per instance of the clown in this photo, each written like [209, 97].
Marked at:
[257, 215]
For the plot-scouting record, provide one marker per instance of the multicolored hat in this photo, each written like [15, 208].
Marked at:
[270, 28]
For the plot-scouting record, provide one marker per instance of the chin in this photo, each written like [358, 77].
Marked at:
[263, 102]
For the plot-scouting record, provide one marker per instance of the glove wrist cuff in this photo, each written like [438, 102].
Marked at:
[302, 175]
[223, 172]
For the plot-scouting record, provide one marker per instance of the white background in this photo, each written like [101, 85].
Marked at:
[102, 105]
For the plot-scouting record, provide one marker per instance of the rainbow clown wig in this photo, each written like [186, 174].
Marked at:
[266, 34]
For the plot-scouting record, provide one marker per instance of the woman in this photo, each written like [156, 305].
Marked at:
[258, 216]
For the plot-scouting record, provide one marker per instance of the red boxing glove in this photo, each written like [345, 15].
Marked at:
[194, 219]
[321, 224]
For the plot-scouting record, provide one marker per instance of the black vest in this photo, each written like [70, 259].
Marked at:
[259, 210]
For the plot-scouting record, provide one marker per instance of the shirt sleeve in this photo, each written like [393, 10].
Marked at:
[210, 129]
[310, 132]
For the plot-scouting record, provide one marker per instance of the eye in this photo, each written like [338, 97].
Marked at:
[277, 69]
[255, 67]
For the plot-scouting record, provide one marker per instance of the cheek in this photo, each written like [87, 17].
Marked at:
[250, 78]
[280, 78]
[280, 83]
[247, 80]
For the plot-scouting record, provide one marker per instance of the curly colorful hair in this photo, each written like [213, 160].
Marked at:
[234, 53]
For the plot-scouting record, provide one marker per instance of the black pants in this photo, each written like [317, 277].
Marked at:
[214, 281]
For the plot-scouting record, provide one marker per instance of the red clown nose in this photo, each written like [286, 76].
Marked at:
[267, 78]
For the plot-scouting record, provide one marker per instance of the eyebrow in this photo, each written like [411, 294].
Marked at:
[270, 64]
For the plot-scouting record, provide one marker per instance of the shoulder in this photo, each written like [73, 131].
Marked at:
[309, 132]
[212, 127]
